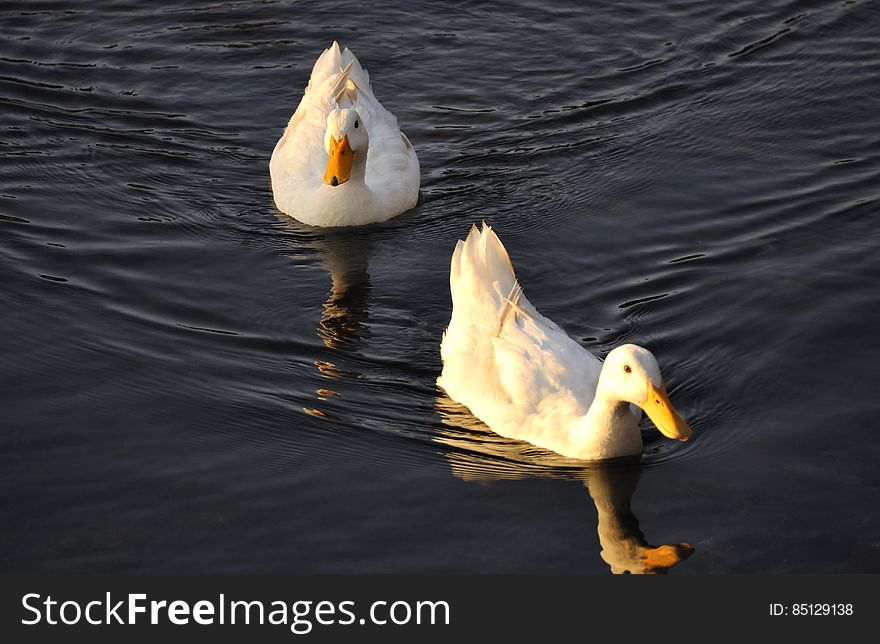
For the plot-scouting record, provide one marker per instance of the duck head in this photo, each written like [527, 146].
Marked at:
[631, 374]
[346, 143]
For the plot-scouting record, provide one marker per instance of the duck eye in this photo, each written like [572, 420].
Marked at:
[356, 124]
[627, 368]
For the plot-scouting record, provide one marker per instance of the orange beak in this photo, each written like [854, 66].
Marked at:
[663, 414]
[339, 164]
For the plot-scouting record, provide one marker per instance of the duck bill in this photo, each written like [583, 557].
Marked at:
[663, 414]
[339, 164]
[662, 558]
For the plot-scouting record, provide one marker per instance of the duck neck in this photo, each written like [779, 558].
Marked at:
[609, 414]
[359, 168]
[609, 429]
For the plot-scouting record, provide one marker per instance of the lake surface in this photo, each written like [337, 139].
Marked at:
[193, 382]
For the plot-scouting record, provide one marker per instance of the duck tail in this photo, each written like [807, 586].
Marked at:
[329, 64]
[358, 74]
[482, 282]
[344, 87]
[338, 72]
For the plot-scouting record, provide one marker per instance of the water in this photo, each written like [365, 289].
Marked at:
[191, 381]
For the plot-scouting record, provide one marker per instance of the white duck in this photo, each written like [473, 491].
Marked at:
[342, 160]
[527, 379]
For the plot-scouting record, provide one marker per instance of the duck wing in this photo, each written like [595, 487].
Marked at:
[512, 367]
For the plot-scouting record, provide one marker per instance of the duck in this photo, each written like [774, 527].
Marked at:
[527, 379]
[342, 160]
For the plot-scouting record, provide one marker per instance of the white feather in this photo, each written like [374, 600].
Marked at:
[525, 377]
[391, 182]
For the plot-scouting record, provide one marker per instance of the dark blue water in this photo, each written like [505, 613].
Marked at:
[192, 381]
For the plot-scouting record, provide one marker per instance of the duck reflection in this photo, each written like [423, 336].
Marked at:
[345, 253]
[343, 326]
[343, 323]
[480, 455]
[624, 547]
[346, 309]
